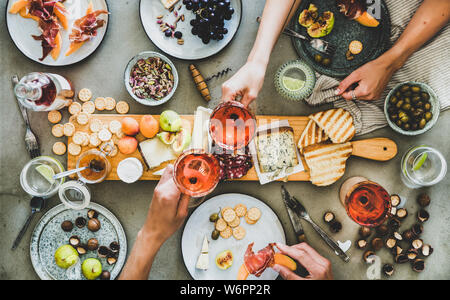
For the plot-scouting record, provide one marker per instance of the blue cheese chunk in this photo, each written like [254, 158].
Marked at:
[276, 149]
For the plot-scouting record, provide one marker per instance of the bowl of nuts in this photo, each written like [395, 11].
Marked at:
[411, 108]
[151, 78]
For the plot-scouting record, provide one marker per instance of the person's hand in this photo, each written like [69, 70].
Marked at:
[319, 268]
[371, 80]
[246, 83]
[168, 210]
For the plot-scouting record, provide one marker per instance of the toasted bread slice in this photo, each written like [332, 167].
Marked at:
[276, 149]
[326, 162]
[336, 123]
[311, 135]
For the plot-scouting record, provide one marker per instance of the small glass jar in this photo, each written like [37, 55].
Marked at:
[88, 175]
[75, 195]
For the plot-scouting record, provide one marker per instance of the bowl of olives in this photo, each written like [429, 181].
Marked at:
[411, 108]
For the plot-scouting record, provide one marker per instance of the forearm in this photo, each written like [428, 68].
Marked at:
[141, 258]
[276, 16]
[431, 17]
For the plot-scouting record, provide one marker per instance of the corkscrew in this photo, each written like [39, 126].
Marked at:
[200, 82]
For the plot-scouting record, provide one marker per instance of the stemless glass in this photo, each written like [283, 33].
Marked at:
[232, 126]
[196, 173]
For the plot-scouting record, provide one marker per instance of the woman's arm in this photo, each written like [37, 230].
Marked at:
[248, 81]
[373, 77]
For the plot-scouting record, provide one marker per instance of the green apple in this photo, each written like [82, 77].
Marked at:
[66, 256]
[170, 121]
[91, 268]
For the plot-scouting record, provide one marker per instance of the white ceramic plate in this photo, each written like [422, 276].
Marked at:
[267, 230]
[48, 236]
[21, 29]
[193, 47]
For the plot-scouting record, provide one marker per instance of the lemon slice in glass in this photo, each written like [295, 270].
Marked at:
[46, 172]
[420, 161]
[293, 84]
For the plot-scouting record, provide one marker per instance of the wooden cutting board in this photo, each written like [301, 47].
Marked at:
[380, 149]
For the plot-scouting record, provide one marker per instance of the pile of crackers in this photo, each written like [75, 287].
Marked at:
[229, 224]
[81, 114]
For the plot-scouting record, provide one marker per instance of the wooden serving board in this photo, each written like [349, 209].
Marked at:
[378, 149]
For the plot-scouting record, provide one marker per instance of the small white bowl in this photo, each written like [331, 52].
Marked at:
[127, 75]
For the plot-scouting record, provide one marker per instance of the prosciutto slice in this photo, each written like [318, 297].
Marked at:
[86, 27]
[257, 263]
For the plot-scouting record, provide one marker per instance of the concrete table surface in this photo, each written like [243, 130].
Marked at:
[103, 72]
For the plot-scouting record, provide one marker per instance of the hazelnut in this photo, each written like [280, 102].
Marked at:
[67, 226]
[417, 229]
[391, 243]
[397, 236]
[423, 215]
[81, 249]
[397, 250]
[382, 230]
[417, 244]
[412, 254]
[94, 225]
[335, 226]
[92, 214]
[395, 200]
[367, 256]
[103, 252]
[111, 260]
[328, 217]
[377, 244]
[426, 250]
[80, 222]
[423, 200]
[92, 244]
[388, 270]
[365, 232]
[361, 244]
[105, 275]
[401, 258]
[418, 265]
[75, 241]
[402, 213]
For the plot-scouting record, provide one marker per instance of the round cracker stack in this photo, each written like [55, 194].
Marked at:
[88, 107]
[85, 95]
[235, 223]
[239, 232]
[54, 116]
[59, 148]
[227, 233]
[254, 214]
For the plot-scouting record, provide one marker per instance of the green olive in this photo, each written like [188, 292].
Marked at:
[428, 116]
[326, 61]
[404, 88]
[214, 217]
[215, 234]
[427, 106]
[406, 106]
[393, 100]
[422, 123]
[318, 58]
[415, 89]
[399, 103]
[425, 96]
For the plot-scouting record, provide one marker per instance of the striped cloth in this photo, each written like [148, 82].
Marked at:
[430, 64]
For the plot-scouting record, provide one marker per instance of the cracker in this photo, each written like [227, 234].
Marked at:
[86, 139]
[83, 118]
[74, 149]
[120, 134]
[122, 107]
[75, 108]
[54, 116]
[239, 232]
[100, 103]
[96, 125]
[69, 129]
[73, 119]
[240, 210]
[78, 138]
[110, 103]
[111, 148]
[229, 215]
[104, 135]
[235, 223]
[115, 126]
[250, 222]
[58, 130]
[221, 225]
[94, 140]
[88, 107]
[59, 148]
[254, 214]
[224, 209]
[85, 95]
[227, 233]
[115, 139]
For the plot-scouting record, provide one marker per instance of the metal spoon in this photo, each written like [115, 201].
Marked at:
[94, 165]
[37, 204]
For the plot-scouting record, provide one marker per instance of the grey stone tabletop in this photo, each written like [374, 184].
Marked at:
[103, 74]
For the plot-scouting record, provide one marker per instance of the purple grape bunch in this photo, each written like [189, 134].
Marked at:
[210, 17]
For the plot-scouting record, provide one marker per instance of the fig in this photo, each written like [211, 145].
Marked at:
[322, 26]
[66, 256]
[224, 260]
[182, 141]
[91, 268]
[166, 137]
[308, 16]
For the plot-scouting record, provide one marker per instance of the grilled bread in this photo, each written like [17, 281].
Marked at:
[311, 135]
[336, 123]
[326, 162]
[276, 149]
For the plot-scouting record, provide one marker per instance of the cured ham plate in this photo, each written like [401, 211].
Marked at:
[267, 230]
[22, 30]
[193, 47]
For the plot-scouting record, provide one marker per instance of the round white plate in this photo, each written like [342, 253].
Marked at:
[267, 230]
[21, 29]
[48, 236]
[193, 47]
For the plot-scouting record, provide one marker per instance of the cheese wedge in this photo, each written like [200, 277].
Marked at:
[336, 123]
[200, 134]
[156, 152]
[203, 259]
[311, 135]
[326, 162]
